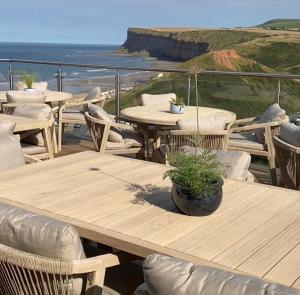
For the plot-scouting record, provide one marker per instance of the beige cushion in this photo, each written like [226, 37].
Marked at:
[11, 154]
[25, 97]
[245, 141]
[209, 123]
[6, 127]
[39, 112]
[273, 114]
[38, 234]
[94, 93]
[156, 99]
[32, 149]
[290, 133]
[130, 139]
[97, 112]
[167, 275]
[40, 86]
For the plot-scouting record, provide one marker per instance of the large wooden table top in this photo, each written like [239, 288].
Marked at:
[125, 203]
[161, 115]
[23, 124]
[51, 96]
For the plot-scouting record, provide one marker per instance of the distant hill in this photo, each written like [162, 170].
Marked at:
[281, 24]
[244, 49]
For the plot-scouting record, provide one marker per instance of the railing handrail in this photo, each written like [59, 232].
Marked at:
[166, 70]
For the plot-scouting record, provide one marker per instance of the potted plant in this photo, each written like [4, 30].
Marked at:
[28, 80]
[197, 183]
[177, 105]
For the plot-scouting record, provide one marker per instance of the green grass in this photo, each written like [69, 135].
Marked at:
[281, 23]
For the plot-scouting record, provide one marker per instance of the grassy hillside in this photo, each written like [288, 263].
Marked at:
[250, 50]
[281, 24]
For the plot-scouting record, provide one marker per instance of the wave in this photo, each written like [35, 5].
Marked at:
[99, 70]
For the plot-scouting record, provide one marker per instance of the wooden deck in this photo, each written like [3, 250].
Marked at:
[125, 203]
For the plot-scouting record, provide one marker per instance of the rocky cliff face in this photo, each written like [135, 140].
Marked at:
[164, 46]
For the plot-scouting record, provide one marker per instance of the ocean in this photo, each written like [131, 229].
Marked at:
[68, 53]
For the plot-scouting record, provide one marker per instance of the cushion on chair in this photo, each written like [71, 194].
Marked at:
[156, 99]
[40, 86]
[97, 112]
[273, 114]
[70, 114]
[167, 275]
[290, 133]
[245, 141]
[6, 127]
[39, 112]
[25, 97]
[209, 123]
[11, 154]
[38, 234]
[131, 140]
[94, 93]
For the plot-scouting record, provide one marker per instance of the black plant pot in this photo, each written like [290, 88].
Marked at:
[199, 204]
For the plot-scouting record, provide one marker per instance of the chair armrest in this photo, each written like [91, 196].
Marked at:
[94, 263]
[254, 127]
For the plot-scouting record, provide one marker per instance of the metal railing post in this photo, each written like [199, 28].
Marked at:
[278, 92]
[189, 91]
[117, 94]
[59, 78]
[10, 77]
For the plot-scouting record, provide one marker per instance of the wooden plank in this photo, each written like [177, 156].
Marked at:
[287, 270]
[268, 256]
[241, 250]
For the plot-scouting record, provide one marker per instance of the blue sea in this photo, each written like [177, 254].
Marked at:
[68, 53]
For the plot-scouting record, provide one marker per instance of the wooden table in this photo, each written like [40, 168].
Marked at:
[124, 203]
[24, 124]
[160, 116]
[51, 96]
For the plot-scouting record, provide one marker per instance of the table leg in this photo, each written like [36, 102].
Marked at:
[48, 141]
[156, 140]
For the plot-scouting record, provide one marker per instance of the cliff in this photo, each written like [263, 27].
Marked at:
[182, 44]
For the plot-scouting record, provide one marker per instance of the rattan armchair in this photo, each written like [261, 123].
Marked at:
[243, 138]
[72, 113]
[99, 130]
[28, 274]
[288, 159]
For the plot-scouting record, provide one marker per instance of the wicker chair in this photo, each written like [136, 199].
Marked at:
[28, 274]
[72, 111]
[288, 159]
[99, 130]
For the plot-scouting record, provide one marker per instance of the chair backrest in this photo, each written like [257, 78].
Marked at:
[168, 275]
[99, 130]
[95, 96]
[40, 86]
[25, 97]
[288, 158]
[156, 99]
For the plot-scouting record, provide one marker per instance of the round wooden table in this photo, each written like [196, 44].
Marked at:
[159, 116]
[51, 96]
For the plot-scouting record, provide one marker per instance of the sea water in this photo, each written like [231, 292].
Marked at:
[66, 53]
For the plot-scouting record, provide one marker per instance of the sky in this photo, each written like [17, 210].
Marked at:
[106, 21]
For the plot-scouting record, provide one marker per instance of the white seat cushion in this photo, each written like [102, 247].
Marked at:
[245, 141]
[209, 123]
[6, 127]
[25, 97]
[273, 114]
[32, 149]
[156, 99]
[130, 139]
[70, 114]
[290, 133]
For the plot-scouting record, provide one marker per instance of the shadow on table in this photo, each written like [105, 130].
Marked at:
[151, 194]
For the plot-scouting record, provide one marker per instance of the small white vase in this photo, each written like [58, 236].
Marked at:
[30, 90]
[175, 109]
